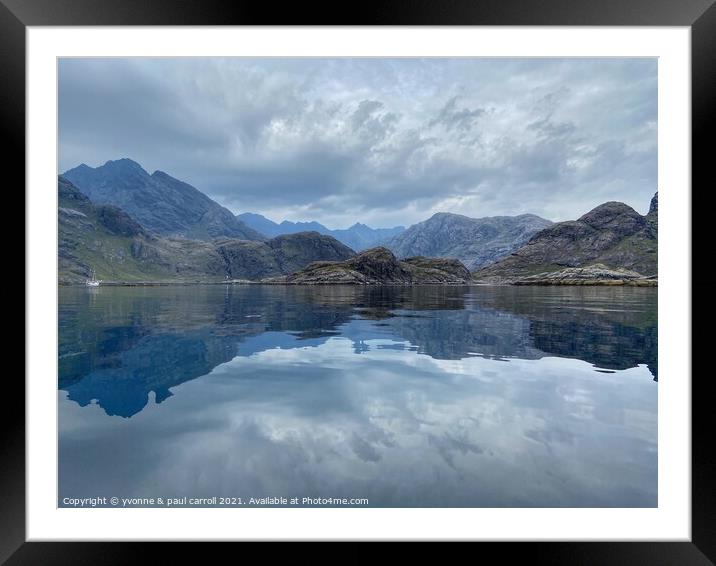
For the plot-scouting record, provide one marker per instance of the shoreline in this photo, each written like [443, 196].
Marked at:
[575, 283]
[589, 283]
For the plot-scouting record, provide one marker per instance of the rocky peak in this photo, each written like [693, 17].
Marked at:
[124, 164]
[162, 204]
[615, 216]
[378, 253]
[652, 217]
[447, 217]
[608, 213]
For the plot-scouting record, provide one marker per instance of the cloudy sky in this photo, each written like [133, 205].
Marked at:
[381, 141]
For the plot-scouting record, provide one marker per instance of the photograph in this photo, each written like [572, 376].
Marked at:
[357, 282]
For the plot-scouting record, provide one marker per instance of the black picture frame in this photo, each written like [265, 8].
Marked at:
[699, 15]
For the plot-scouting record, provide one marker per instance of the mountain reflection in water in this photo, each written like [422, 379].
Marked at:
[279, 364]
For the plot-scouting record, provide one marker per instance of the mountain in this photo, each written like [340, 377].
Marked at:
[280, 255]
[264, 225]
[613, 235]
[106, 239]
[474, 241]
[378, 266]
[358, 237]
[162, 204]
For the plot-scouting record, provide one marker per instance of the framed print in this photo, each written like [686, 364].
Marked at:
[294, 278]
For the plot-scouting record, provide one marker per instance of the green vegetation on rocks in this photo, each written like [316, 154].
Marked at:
[106, 239]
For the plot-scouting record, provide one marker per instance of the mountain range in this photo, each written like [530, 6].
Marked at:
[128, 225]
[358, 237]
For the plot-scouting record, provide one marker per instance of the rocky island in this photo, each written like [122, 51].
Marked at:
[379, 266]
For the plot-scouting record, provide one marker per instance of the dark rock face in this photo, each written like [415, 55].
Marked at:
[612, 234]
[378, 266]
[117, 221]
[247, 260]
[162, 204]
[652, 218]
[474, 241]
[381, 265]
[279, 256]
[654, 206]
[70, 194]
[294, 251]
[452, 266]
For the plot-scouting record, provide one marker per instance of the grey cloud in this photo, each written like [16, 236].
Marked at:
[452, 118]
[383, 141]
[549, 129]
[365, 111]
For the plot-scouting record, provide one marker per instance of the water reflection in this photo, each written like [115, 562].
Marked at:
[484, 396]
[119, 344]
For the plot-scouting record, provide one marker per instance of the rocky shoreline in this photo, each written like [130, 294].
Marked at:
[594, 275]
[545, 283]
[592, 282]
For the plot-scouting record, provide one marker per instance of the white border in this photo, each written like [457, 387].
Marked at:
[670, 521]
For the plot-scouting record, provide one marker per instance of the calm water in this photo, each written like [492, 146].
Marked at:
[431, 396]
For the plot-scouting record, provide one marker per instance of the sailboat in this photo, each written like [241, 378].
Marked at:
[93, 282]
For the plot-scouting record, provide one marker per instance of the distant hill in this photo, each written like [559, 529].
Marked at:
[361, 237]
[612, 235]
[106, 239]
[474, 241]
[160, 203]
[358, 237]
